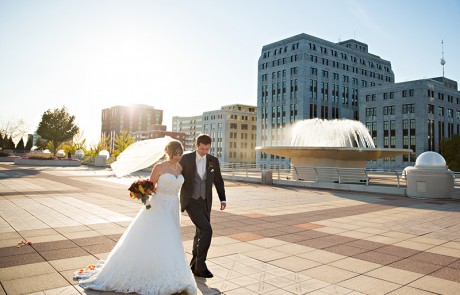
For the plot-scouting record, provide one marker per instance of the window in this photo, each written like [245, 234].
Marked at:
[408, 108]
[389, 110]
[440, 111]
[430, 109]
[404, 93]
[385, 96]
[370, 112]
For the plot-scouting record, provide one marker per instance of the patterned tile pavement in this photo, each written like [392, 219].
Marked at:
[270, 240]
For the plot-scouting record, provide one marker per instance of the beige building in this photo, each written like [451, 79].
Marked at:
[233, 131]
[190, 126]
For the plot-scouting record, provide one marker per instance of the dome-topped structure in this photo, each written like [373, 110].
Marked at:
[429, 178]
[104, 153]
[430, 160]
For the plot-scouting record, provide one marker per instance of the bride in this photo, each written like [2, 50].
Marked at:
[149, 258]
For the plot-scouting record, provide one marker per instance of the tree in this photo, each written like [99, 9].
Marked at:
[29, 144]
[14, 130]
[10, 143]
[20, 145]
[122, 141]
[2, 141]
[57, 126]
[41, 144]
[450, 148]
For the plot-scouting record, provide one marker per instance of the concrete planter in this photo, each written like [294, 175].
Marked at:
[8, 159]
[36, 162]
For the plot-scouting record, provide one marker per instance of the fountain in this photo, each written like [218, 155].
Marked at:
[331, 143]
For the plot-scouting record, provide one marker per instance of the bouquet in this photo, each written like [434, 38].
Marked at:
[141, 190]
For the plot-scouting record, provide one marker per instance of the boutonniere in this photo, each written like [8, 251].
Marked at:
[210, 166]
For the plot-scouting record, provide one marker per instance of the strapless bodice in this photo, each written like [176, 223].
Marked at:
[169, 184]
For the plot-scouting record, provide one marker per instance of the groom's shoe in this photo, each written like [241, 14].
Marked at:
[204, 274]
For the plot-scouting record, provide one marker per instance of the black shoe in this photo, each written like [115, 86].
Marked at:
[203, 274]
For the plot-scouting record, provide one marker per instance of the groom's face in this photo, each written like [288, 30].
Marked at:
[203, 149]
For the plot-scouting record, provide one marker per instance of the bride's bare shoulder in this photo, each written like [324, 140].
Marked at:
[159, 167]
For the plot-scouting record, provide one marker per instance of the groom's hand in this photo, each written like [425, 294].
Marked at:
[223, 205]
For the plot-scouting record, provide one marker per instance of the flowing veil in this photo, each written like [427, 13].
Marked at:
[140, 155]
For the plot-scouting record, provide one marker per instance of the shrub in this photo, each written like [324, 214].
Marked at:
[39, 156]
[4, 154]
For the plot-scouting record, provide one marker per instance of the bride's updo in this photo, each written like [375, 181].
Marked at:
[174, 148]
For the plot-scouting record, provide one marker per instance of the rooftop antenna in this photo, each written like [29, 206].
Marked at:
[443, 61]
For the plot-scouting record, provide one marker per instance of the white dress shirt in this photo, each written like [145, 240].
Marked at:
[200, 164]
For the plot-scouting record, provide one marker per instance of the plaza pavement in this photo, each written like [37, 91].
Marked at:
[270, 240]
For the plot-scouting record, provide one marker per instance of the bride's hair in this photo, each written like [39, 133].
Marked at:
[174, 148]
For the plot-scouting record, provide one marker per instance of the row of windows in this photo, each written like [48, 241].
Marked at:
[335, 64]
[281, 50]
[411, 93]
[410, 108]
[314, 72]
[243, 155]
[324, 50]
[243, 145]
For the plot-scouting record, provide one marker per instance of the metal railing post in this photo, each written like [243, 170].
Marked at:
[317, 175]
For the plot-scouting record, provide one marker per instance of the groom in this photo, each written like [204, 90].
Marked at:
[201, 171]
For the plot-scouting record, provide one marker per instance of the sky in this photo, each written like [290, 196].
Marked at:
[186, 57]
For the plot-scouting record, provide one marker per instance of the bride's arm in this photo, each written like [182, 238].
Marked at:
[155, 174]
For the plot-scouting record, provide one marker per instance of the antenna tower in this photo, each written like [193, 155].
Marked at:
[443, 61]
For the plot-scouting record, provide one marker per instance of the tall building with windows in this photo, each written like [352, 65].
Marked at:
[413, 115]
[305, 77]
[190, 126]
[141, 121]
[233, 132]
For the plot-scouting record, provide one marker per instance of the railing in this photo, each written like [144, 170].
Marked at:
[321, 174]
[457, 180]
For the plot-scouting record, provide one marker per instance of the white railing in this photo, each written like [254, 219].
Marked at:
[319, 174]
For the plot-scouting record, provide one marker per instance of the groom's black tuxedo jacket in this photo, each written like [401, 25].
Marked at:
[213, 176]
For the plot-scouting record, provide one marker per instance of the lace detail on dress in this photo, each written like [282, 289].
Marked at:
[171, 186]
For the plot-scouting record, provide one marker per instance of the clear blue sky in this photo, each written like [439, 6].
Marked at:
[186, 57]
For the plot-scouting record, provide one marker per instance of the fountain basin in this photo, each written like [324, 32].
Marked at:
[349, 157]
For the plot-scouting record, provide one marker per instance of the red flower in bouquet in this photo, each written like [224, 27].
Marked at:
[141, 189]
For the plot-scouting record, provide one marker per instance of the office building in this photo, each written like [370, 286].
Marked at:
[305, 77]
[233, 133]
[413, 115]
[134, 118]
[190, 126]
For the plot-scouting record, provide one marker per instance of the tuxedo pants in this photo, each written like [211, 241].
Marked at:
[200, 216]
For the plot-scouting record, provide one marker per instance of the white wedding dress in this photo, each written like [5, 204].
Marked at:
[149, 258]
